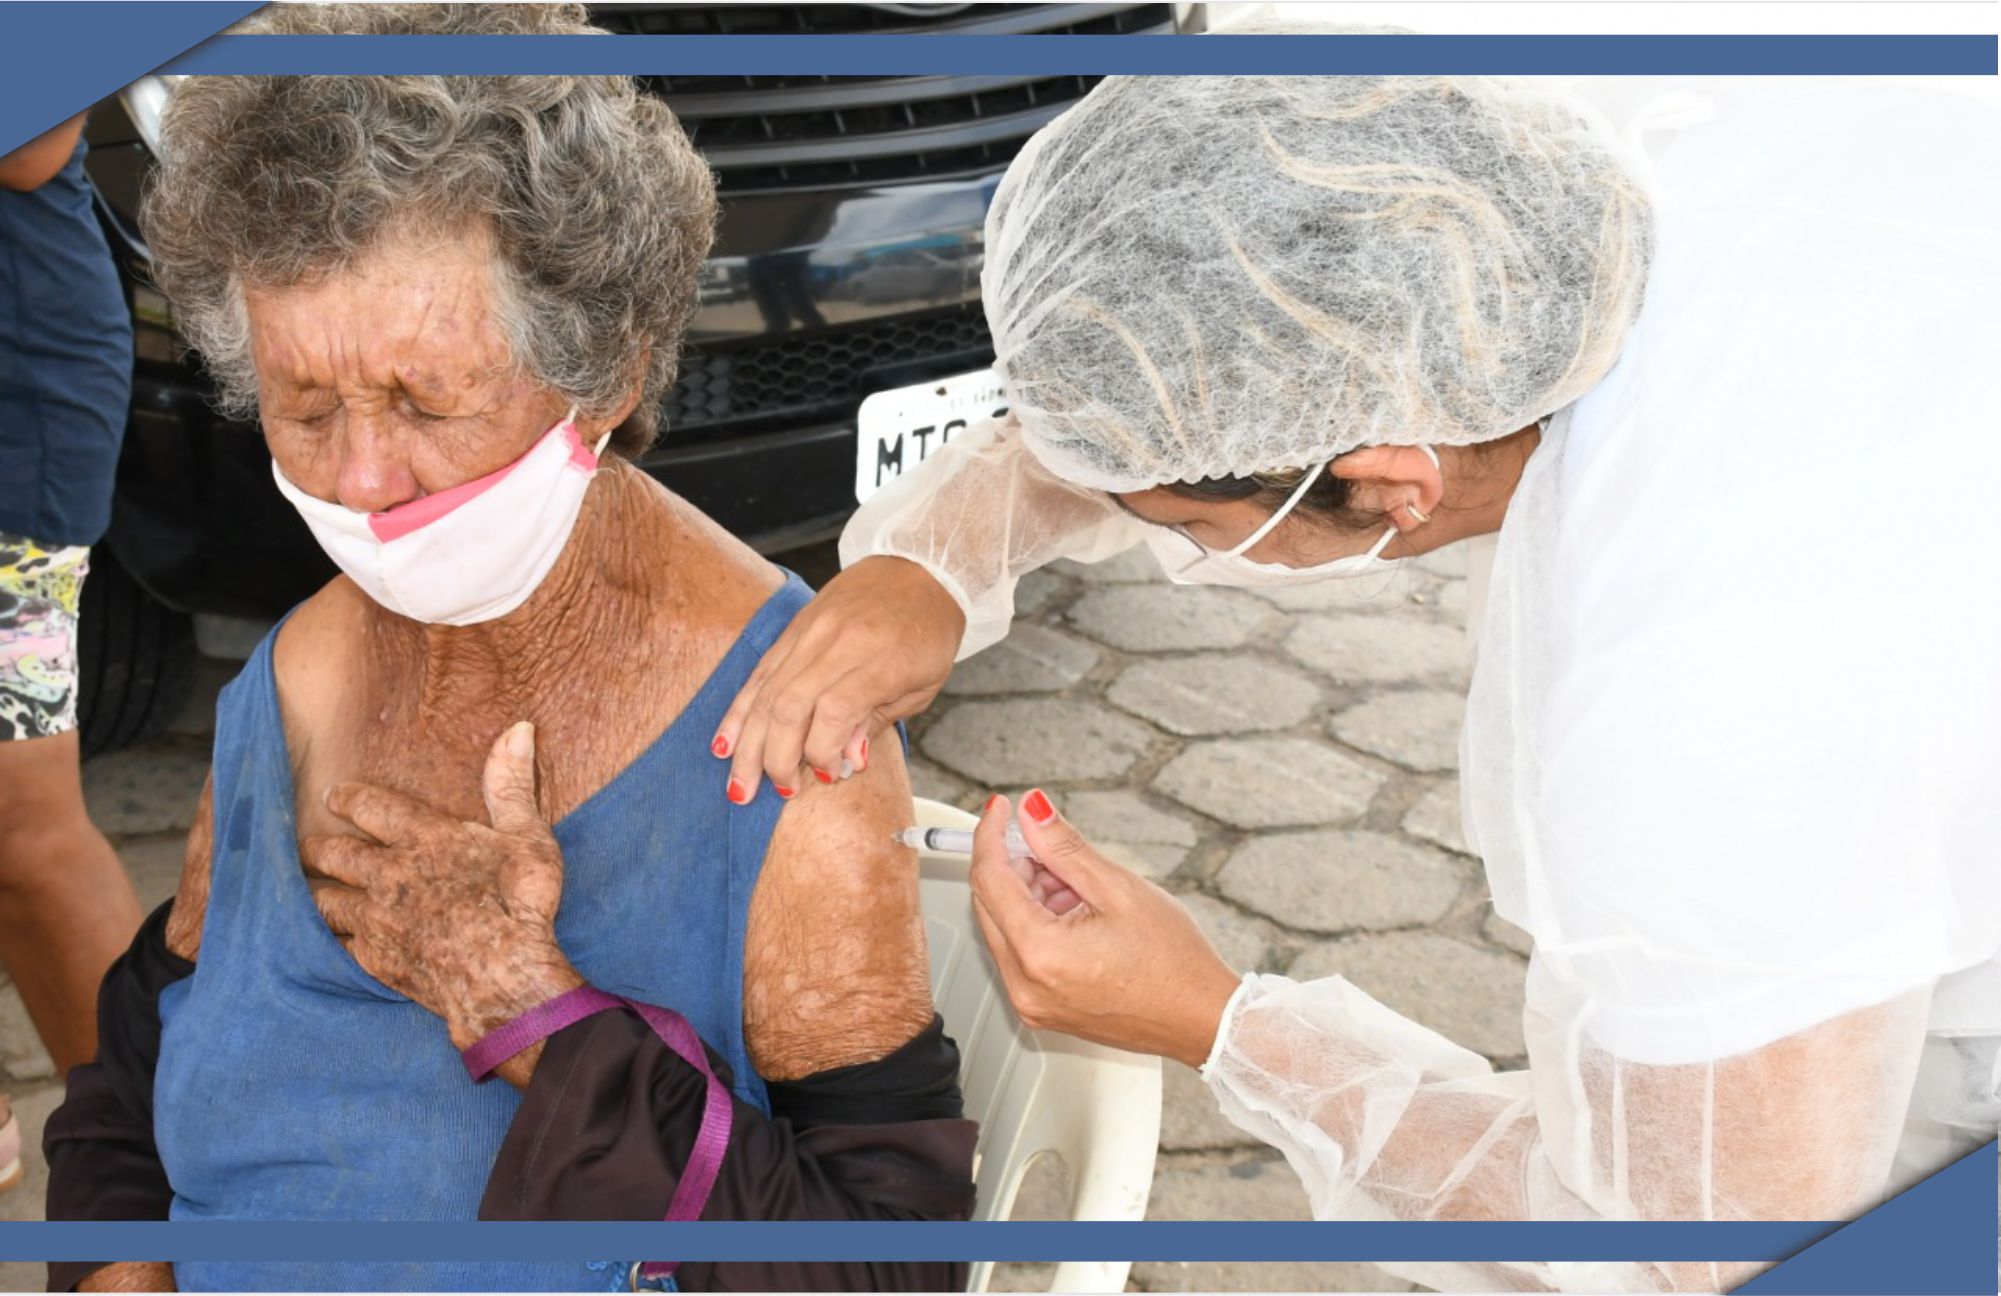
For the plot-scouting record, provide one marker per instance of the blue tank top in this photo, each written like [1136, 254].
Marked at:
[294, 1086]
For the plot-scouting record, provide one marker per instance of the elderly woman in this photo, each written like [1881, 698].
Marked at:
[470, 777]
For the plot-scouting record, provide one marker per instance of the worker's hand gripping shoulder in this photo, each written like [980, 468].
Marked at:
[931, 563]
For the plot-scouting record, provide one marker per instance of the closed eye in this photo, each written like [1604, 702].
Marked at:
[310, 418]
[1178, 528]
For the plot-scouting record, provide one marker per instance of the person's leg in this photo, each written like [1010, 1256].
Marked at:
[66, 907]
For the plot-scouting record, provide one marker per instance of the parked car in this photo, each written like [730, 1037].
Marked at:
[847, 264]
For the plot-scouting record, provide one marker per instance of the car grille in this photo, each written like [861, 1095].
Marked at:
[779, 132]
[821, 375]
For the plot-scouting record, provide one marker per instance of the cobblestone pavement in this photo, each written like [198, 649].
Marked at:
[1283, 759]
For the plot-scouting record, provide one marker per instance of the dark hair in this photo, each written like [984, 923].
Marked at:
[1329, 500]
[1326, 501]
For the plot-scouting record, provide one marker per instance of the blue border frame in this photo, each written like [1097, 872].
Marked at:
[1939, 1237]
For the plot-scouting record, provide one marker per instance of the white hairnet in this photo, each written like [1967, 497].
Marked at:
[1193, 277]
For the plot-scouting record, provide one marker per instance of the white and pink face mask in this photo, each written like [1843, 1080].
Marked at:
[469, 554]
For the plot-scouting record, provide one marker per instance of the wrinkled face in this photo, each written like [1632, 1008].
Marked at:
[390, 380]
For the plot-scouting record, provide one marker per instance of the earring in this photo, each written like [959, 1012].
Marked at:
[1421, 518]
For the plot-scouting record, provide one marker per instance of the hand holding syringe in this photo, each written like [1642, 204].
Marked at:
[1051, 890]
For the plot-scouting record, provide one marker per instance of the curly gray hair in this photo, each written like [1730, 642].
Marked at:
[599, 208]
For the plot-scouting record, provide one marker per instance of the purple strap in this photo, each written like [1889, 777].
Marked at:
[705, 1159]
[532, 1027]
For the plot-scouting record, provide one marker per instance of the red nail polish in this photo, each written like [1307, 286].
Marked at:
[992, 801]
[823, 776]
[785, 793]
[721, 746]
[1038, 807]
[736, 793]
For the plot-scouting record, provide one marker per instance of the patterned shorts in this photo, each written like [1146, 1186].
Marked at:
[39, 586]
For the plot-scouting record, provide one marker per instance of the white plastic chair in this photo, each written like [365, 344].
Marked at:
[1095, 1108]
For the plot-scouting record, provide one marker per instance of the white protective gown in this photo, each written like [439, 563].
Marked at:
[1733, 750]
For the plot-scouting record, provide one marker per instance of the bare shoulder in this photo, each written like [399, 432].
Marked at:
[835, 966]
[703, 585]
[302, 660]
[718, 576]
[314, 647]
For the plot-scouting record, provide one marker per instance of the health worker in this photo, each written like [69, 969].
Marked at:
[1734, 734]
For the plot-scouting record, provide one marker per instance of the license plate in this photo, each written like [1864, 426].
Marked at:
[898, 429]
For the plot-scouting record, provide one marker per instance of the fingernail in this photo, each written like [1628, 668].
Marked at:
[721, 746]
[1038, 806]
[847, 769]
[785, 793]
[992, 801]
[823, 776]
[521, 739]
[736, 793]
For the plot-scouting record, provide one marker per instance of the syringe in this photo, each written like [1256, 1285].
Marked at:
[959, 841]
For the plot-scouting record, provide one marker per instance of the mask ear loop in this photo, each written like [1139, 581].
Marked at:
[1392, 533]
[597, 451]
[1411, 509]
[1292, 502]
[1299, 493]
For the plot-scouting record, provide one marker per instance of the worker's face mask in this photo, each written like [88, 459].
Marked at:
[1231, 567]
[469, 554]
